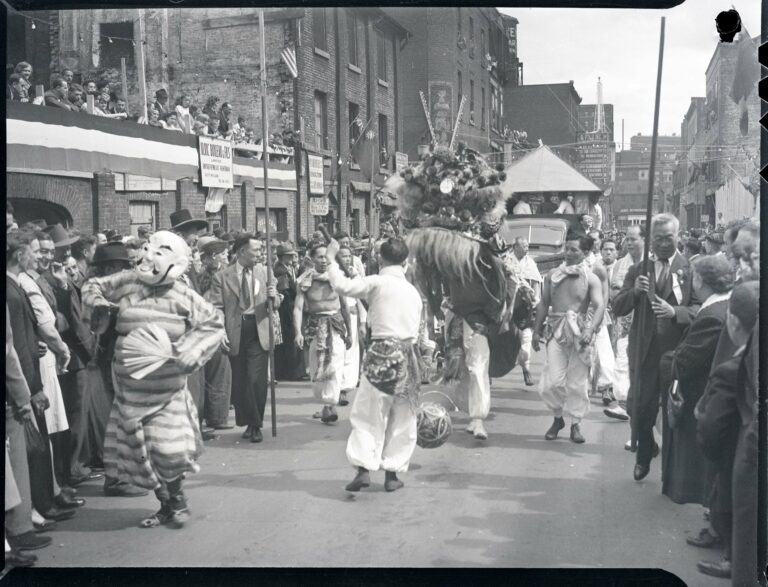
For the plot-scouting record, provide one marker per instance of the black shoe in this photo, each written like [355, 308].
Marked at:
[29, 541]
[68, 503]
[576, 434]
[75, 481]
[45, 526]
[124, 490]
[222, 426]
[704, 540]
[69, 491]
[556, 427]
[248, 432]
[329, 415]
[58, 515]
[656, 450]
[256, 436]
[362, 479]
[343, 401]
[16, 558]
[527, 377]
[641, 472]
[721, 568]
[391, 482]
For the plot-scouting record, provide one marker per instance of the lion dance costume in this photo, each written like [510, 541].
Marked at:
[452, 207]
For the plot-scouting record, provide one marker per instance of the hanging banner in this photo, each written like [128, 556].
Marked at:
[441, 111]
[318, 206]
[215, 163]
[315, 172]
[401, 161]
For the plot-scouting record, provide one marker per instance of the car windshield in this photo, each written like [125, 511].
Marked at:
[540, 237]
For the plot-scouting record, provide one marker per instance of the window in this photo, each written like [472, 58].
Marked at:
[218, 219]
[471, 101]
[460, 87]
[278, 222]
[482, 107]
[318, 28]
[471, 38]
[354, 222]
[383, 141]
[494, 107]
[142, 214]
[643, 174]
[381, 56]
[121, 36]
[482, 44]
[352, 36]
[355, 125]
[321, 120]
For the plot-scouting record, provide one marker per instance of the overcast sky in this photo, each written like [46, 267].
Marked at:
[621, 46]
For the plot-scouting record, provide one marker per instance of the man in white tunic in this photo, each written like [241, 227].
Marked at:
[383, 417]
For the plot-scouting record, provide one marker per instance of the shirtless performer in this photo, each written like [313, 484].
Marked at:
[570, 290]
[326, 330]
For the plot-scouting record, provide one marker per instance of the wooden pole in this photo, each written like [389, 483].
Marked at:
[124, 80]
[265, 162]
[140, 70]
[648, 215]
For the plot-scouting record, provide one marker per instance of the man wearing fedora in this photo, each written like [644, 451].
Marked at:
[189, 228]
[241, 291]
[289, 361]
[217, 371]
[76, 334]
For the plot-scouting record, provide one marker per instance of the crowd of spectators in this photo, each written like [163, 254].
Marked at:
[216, 119]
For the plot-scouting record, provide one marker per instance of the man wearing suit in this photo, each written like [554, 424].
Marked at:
[289, 360]
[659, 292]
[241, 291]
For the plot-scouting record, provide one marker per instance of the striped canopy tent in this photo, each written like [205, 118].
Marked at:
[542, 171]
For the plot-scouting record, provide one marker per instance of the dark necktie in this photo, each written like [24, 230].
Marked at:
[663, 277]
[245, 288]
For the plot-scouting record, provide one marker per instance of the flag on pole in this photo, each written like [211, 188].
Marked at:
[358, 121]
[363, 152]
[288, 55]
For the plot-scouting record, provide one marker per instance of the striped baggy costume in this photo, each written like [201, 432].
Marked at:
[153, 436]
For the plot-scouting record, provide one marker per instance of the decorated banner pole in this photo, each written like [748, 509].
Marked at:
[426, 114]
[265, 161]
[140, 67]
[458, 120]
[649, 213]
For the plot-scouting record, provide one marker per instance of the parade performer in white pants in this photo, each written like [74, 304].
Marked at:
[569, 291]
[383, 413]
[147, 409]
[326, 329]
[358, 317]
[530, 272]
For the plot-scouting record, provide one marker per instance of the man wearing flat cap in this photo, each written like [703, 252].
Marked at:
[214, 255]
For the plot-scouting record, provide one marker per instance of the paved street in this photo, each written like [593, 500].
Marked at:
[515, 500]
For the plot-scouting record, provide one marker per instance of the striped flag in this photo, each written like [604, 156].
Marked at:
[288, 55]
[358, 121]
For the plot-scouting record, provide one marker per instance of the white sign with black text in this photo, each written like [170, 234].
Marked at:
[315, 166]
[215, 163]
[318, 206]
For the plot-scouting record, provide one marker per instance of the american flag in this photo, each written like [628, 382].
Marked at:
[288, 55]
[358, 121]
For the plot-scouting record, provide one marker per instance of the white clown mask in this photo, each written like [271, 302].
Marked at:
[164, 259]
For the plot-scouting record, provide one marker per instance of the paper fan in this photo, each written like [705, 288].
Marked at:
[145, 350]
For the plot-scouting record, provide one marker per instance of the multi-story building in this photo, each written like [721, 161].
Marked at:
[347, 61]
[465, 53]
[630, 192]
[546, 112]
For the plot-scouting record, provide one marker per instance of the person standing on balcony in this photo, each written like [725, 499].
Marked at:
[183, 115]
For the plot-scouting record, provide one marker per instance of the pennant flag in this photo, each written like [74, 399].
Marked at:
[364, 152]
[288, 55]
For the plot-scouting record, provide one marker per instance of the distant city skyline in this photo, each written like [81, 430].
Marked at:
[557, 45]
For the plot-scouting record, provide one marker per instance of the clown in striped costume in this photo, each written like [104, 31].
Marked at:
[153, 437]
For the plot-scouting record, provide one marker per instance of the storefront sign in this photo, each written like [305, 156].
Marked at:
[401, 161]
[215, 163]
[318, 206]
[315, 165]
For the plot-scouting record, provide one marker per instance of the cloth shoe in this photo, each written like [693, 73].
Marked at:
[329, 415]
[361, 480]
[704, 539]
[721, 568]
[576, 434]
[556, 427]
[479, 430]
[607, 395]
[391, 482]
[617, 413]
[471, 426]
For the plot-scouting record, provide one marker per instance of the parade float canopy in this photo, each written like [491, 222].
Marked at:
[543, 171]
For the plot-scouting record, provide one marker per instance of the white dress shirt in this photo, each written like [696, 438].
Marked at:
[394, 305]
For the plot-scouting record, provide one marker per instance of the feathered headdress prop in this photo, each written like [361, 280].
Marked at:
[453, 190]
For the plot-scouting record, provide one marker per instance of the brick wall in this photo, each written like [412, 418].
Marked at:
[70, 197]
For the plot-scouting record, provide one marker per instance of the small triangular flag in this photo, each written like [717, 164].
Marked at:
[764, 120]
[762, 54]
[764, 173]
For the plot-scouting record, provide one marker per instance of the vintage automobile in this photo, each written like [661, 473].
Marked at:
[545, 234]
